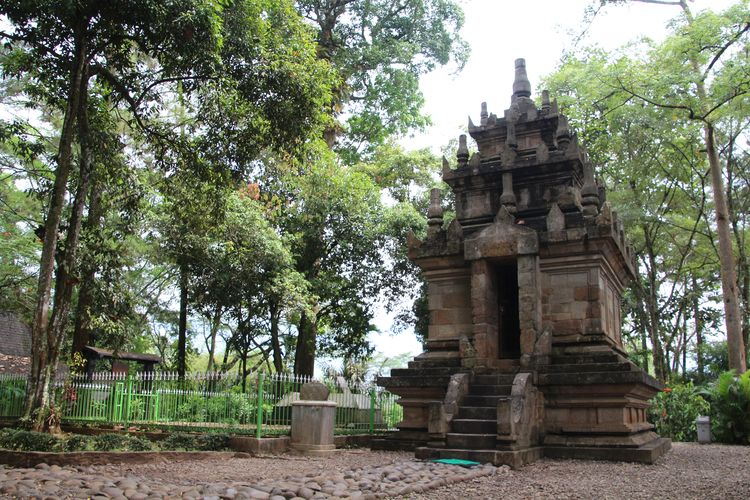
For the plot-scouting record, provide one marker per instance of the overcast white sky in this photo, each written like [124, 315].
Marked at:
[499, 32]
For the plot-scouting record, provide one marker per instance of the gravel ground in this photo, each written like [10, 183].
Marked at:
[253, 469]
[689, 471]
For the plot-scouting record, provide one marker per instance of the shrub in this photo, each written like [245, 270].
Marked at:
[212, 442]
[674, 410]
[136, 443]
[78, 442]
[179, 441]
[21, 440]
[730, 407]
[120, 442]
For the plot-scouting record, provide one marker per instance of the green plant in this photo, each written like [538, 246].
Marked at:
[179, 441]
[77, 442]
[121, 442]
[139, 444]
[674, 410]
[22, 440]
[136, 409]
[730, 407]
[212, 442]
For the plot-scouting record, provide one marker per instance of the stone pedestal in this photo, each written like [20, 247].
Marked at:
[312, 427]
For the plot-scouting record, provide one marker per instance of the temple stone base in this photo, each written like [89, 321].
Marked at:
[401, 440]
[512, 458]
[647, 453]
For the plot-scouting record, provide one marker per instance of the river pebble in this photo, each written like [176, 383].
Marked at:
[399, 478]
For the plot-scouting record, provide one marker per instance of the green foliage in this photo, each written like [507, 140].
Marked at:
[674, 411]
[642, 112]
[78, 442]
[212, 442]
[18, 243]
[120, 442]
[730, 407]
[179, 441]
[23, 440]
[202, 442]
[379, 49]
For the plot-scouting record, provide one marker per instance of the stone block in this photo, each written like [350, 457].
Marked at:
[456, 299]
[579, 310]
[312, 427]
[560, 308]
[314, 391]
[568, 326]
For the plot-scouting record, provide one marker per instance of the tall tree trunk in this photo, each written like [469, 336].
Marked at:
[304, 359]
[35, 395]
[82, 326]
[732, 317]
[66, 277]
[244, 372]
[182, 326]
[743, 266]
[275, 313]
[735, 339]
[215, 324]
[698, 331]
[651, 299]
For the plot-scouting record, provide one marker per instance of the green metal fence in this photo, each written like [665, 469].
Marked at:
[201, 401]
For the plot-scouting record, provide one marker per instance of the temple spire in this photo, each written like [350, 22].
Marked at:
[521, 85]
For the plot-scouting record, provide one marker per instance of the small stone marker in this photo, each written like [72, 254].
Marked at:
[314, 391]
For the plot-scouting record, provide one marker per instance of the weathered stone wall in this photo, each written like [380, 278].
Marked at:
[580, 297]
[449, 303]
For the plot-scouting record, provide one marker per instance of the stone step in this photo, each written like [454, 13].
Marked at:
[440, 371]
[435, 362]
[414, 381]
[566, 359]
[473, 426]
[494, 379]
[477, 413]
[484, 401]
[481, 456]
[515, 459]
[461, 441]
[490, 390]
[587, 367]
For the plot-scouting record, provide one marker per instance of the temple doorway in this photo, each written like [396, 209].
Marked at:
[509, 328]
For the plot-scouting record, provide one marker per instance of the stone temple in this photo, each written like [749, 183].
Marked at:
[524, 356]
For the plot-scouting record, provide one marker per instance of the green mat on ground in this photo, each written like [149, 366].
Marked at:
[456, 461]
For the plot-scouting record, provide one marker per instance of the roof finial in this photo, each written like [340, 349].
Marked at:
[521, 85]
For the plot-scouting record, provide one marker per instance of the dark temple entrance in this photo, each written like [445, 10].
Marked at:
[506, 275]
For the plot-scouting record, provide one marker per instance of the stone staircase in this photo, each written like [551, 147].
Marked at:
[474, 430]
[425, 378]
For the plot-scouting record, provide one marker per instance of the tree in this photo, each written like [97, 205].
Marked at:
[252, 61]
[699, 72]
[657, 179]
[379, 49]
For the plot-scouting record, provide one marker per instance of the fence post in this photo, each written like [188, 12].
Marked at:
[259, 403]
[372, 410]
[126, 410]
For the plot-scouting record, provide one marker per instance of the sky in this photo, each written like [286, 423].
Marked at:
[499, 32]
